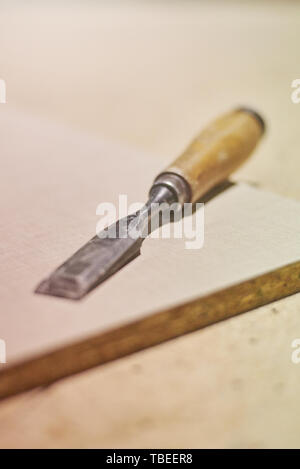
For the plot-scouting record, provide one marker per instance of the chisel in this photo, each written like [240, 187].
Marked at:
[214, 154]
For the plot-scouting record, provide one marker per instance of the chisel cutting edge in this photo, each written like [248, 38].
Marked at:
[215, 153]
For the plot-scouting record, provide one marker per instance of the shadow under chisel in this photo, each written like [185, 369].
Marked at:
[208, 161]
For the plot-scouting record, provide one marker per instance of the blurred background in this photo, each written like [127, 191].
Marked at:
[152, 73]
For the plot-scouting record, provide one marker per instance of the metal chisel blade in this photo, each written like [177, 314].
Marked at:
[105, 253]
[91, 265]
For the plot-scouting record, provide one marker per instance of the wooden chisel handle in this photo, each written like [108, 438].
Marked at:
[217, 151]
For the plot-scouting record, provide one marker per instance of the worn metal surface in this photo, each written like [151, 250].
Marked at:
[108, 251]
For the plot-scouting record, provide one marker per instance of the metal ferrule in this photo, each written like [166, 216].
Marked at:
[176, 184]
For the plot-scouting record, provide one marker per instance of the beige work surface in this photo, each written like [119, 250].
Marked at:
[162, 74]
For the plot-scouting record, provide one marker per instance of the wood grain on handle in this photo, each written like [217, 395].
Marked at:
[218, 151]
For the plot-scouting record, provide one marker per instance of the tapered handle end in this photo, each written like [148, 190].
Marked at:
[218, 150]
